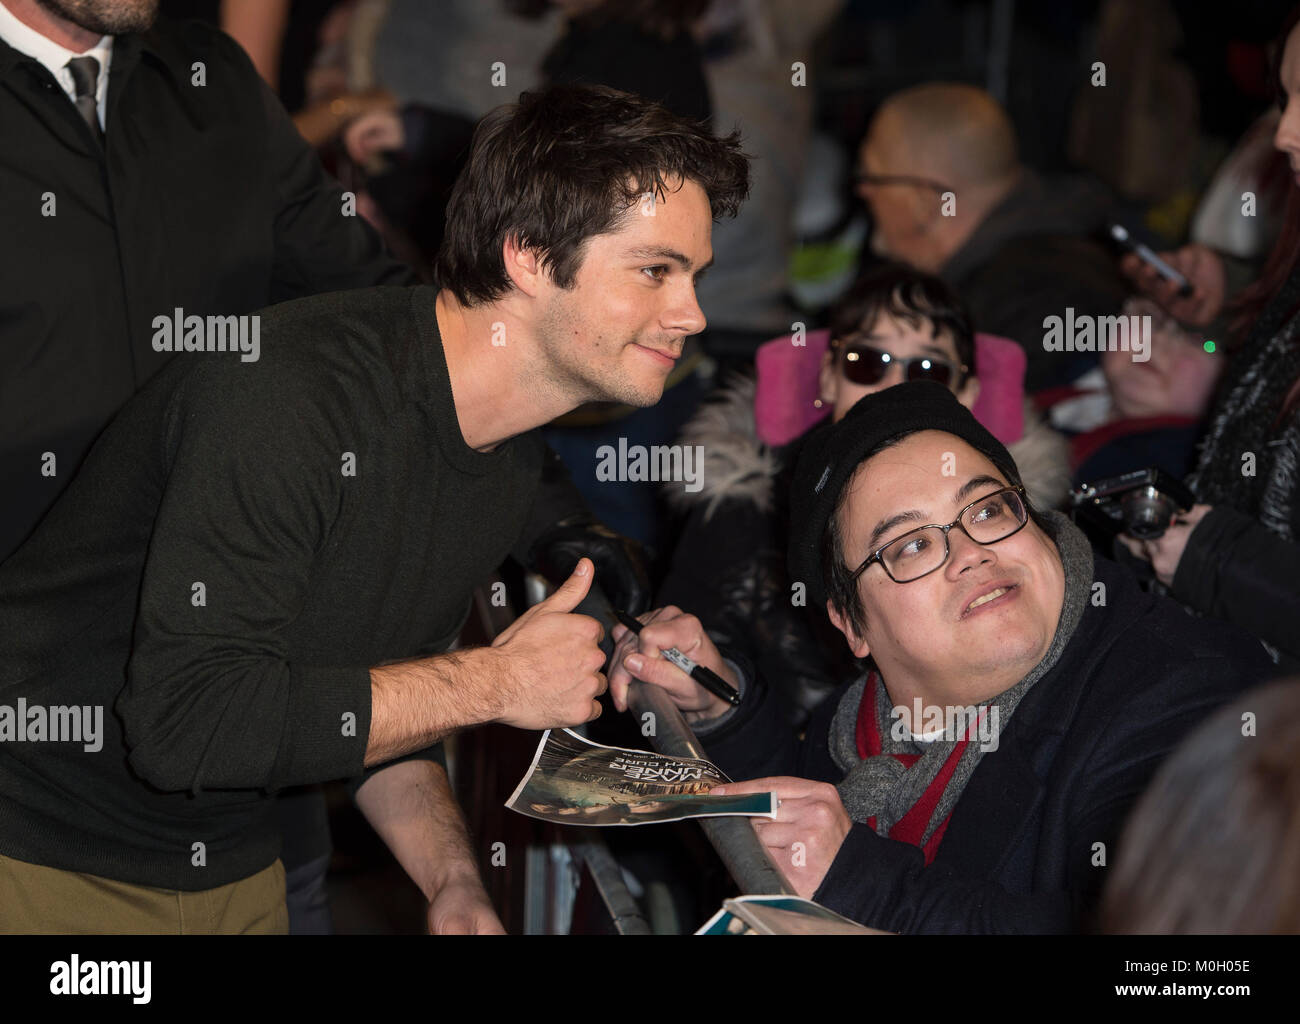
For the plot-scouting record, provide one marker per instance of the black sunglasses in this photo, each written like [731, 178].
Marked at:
[867, 365]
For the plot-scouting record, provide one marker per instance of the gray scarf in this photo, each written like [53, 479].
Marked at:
[881, 786]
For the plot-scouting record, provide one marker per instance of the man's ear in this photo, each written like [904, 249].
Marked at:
[923, 209]
[857, 644]
[523, 267]
[969, 392]
[864, 147]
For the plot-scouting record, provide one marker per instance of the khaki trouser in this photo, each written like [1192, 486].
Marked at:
[38, 900]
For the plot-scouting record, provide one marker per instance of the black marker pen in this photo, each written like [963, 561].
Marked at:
[706, 677]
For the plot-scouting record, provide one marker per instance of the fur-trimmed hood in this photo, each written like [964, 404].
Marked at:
[737, 465]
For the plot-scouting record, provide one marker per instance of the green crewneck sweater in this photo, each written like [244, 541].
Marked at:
[246, 540]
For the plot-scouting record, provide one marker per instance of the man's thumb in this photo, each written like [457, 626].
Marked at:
[569, 594]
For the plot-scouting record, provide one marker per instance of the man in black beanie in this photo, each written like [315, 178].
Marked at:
[1017, 697]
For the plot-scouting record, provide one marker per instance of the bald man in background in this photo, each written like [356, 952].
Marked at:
[940, 169]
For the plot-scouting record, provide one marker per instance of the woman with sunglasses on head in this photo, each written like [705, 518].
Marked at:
[728, 568]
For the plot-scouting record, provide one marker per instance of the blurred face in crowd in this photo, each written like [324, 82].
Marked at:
[1287, 136]
[107, 17]
[925, 636]
[906, 216]
[902, 341]
[1177, 380]
[616, 335]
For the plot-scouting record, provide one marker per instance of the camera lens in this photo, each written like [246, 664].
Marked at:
[1147, 514]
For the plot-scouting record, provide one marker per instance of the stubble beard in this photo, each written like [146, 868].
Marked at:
[568, 373]
[107, 17]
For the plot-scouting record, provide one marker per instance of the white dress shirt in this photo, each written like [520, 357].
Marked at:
[27, 40]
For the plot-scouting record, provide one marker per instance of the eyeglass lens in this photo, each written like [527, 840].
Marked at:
[990, 520]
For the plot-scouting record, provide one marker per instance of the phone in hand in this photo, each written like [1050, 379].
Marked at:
[1144, 253]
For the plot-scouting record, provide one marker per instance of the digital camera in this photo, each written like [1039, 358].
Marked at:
[1141, 504]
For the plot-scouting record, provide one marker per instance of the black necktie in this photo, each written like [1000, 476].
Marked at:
[85, 73]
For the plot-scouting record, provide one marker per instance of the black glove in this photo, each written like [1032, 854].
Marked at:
[620, 561]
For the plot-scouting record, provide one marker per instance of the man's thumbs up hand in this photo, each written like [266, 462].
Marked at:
[551, 660]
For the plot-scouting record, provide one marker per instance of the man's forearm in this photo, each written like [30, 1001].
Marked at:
[414, 704]
[411, 806]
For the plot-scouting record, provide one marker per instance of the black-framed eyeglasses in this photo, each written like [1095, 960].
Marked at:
[920, 552]
[863, 178]
[867, 365]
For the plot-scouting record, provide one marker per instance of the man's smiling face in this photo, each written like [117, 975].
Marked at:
[924, 636]
[616, 335]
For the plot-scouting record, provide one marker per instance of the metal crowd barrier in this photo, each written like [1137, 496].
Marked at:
[733, 838]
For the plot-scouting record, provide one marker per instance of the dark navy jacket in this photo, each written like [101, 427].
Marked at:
[1018, 855]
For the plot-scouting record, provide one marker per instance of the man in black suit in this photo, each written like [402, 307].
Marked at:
[146, 168]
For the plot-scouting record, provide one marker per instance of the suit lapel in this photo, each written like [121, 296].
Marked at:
[36, 89]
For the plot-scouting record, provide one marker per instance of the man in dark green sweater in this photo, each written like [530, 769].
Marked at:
[259, 569]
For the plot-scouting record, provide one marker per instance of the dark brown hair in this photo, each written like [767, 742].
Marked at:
[1248, 306]
[1213, 846]
[841, 588]
[1269, 296]
[565, 163]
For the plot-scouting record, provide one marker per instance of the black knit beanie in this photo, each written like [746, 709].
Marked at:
[830, 456]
